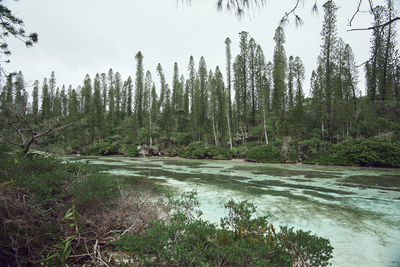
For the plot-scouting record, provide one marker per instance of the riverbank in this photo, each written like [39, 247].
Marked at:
[381, 151]
[240, 160]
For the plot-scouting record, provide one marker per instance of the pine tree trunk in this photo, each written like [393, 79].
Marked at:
[151, 139]
[265, 126]
[229, 128]
[215, 134]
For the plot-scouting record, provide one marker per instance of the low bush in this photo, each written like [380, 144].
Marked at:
[96, 186]
[171, 152]
[219, 153]
[375, 151]
[132, 151]
[242, 240]
[37, 196]
[103, 148]
[195, 150]
[269, 153]
[239, 152]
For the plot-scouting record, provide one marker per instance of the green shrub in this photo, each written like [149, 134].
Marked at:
[104, 148]
[219, 153]
[375, 151]
[132, 151]
[195, 150]
[270, 153]
[239, 152]
[243, 241]
[45, 178]
[96, 186]
[171, 152]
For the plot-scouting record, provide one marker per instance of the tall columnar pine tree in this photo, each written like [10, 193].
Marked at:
[45, 109]
[73, 105]
[86, 95]
[344, 89]
[221, 103]
[124, 100]
[20, 93]
[191, 84]
[163, 85]
[237, 85]
[52, 88]
[118, 96]
[243, 67]
[35, 99]
[129, 88]
[290, 85]
[279, 75]
[64, 101]
[389, 37]
[228, 54]
[57, 105]
[176, 90]
[111, 100]
[166, 117]
[182, 113]
[87, 108]
[213, 105]
[148, 83]
[298, 106]
[154, 112]
[97, 109]
[252, 75]
[262, 86]
[329, 40]
[7, 94]
[104, 91]
[318, 106]
[203, 97]
[371, 67]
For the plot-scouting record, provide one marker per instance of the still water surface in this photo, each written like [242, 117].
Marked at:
[357, 209]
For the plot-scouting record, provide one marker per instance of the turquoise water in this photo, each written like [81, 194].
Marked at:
[357, 209]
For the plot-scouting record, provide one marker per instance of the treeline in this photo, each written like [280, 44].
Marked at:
[258, 101]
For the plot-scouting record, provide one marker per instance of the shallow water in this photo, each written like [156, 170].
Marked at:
[357, 209]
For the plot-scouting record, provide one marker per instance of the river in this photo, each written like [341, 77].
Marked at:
[357, 209]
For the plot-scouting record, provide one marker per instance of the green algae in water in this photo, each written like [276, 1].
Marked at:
[356, 208]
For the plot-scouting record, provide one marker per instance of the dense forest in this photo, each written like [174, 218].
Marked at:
[249, 102]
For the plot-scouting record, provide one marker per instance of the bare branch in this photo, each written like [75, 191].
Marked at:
[376, 26]
[26, 131]
[292, 11]
[355, 13]
[11, 142]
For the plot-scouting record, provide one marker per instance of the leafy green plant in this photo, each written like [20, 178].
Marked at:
[270, 153]
[104, 148]
[195, 150]
[132, 151]
[96, 186]
[186, 240]
[63, 249]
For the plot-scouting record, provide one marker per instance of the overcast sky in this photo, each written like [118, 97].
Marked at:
[79, 37]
